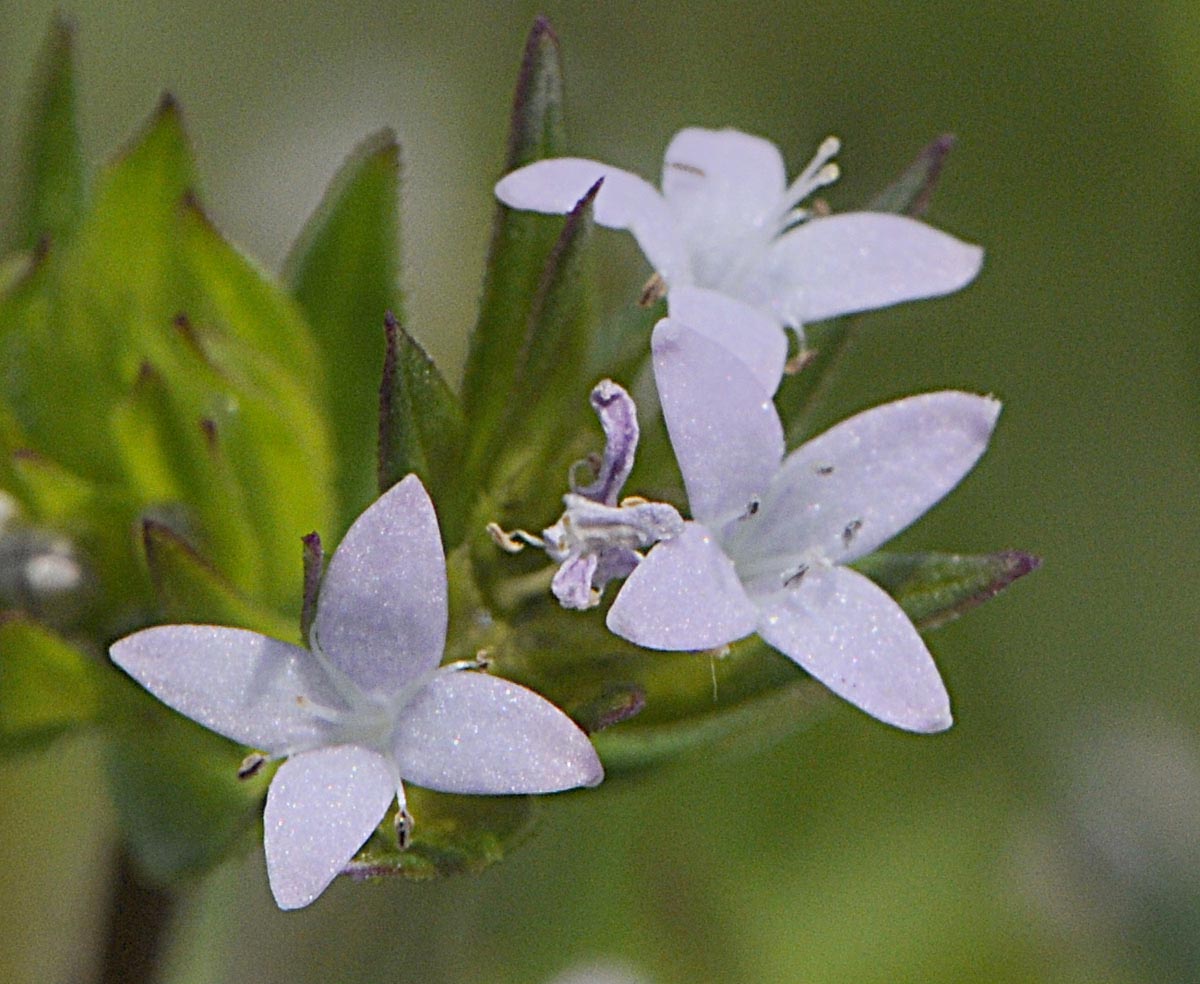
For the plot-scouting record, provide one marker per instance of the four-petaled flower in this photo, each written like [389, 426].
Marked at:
[598, 539]
[727, 220]
[771, 535]
[366, 706]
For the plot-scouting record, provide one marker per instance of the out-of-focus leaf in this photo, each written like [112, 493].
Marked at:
[420, 428]
[549, 390]
[240, 299]
[800, 392]
[936, 588]
[181, 807]
[52, 190]
[343, 270]
[520, 244]
[75, 332]
[47, 686]
[191, 591]
[451, 835]
[911, 192]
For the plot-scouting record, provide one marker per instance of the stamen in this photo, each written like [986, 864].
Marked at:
[821, 171]
[251, 765]
[513, 542]
[795, 578]
[404, 828]
[851, 531]
[654, 291]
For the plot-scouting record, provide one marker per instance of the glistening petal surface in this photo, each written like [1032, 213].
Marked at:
[253, 689]
[321, 808]
[381, 614]
[724, 429]
[747, 333]
[860, 483]
[685, 595]
[859, 261]
[850, 635]
[467, 732]
[624, 201]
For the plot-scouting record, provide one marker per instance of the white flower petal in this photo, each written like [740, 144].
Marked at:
[860, 483]
[624, 201]
[321, 808]
[724, 429]
[859, 261]
[685, 595]
[255, 690]
[381, 613]
[748, 333]
[736, 174]
[467, 732]
[850, 635]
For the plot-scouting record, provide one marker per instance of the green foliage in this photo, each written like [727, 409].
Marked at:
[180, 804]
[52, 190]
[548, 388]
[343, 271]
[520, 244]
[453, 835]
[421, 427]
[936, 588]
[47, 685]
[185, 419]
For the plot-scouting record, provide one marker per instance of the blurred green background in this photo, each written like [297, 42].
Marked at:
[1052, 835]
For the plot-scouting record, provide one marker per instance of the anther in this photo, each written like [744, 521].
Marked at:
[851, 531]
[251, 765]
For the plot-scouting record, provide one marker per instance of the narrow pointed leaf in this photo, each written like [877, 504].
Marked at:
[52, 190]
[549, 390]
[451, 835]
[912, 191]
[189, 590]
[241, 298]
[421, 427]
[936, 588]
[343, 271]
[521, 242]
[47, 686]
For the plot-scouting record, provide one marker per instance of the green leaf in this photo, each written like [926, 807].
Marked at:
[52, 189]
[343, 271]
[936, 588]
[47, 686]
[549, 390]
[520, 244]
[420, 428]
[190, 590]
[912, 191]
[451, 835]
[181, 807]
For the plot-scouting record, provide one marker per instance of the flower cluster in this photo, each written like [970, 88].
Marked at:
[740, 257]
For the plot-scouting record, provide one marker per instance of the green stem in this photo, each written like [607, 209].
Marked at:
[139, 917]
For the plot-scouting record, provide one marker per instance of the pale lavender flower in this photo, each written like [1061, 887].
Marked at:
[598, 538]
[727, 220]
[771, 535]
[366, 705]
